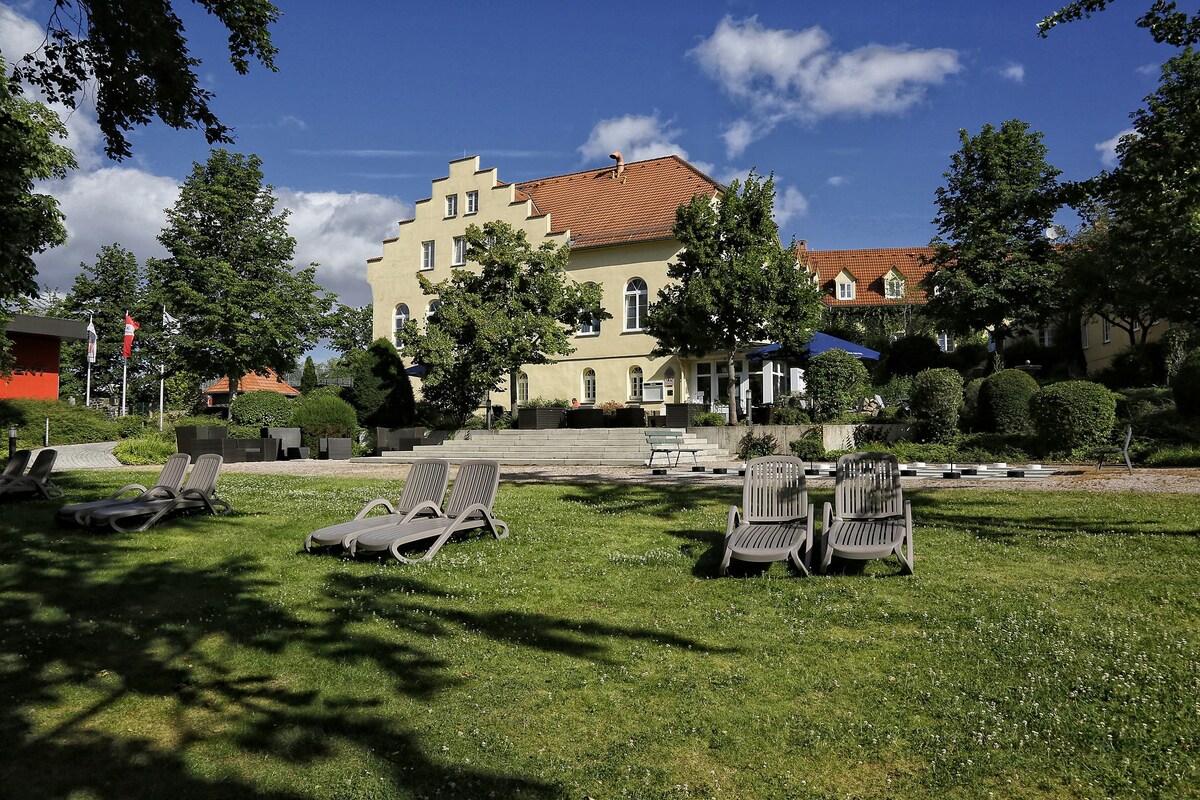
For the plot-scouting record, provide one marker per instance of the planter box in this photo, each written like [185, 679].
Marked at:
[289, 440]
[680, 415]
[336, 448]
[532, 419]
[585, 418]
[634, 417]
[188, 437]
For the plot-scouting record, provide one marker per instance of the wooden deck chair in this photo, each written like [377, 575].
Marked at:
[15, 467]
[198, 494]
[422, 496]
[870, 517]
[468, 507]
[169, 483]
[36, 482]
[776, 519]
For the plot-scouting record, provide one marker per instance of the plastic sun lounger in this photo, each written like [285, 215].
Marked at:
[169, 483]
[35, 482]
[870, 517]
[776, 520]
[198, 494]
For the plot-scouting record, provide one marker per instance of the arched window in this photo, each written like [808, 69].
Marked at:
[637, 300]
[635, 383]
[401, 317]
[433, 307]
[522, 388]
[589, 386]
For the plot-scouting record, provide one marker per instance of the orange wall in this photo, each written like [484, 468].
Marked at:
[36, 373]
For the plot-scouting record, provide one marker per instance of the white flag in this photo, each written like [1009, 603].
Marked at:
[170, 324]
[91, 347]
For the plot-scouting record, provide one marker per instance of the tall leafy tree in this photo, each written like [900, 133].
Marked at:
[993, 266]
[733, 284]
[382, 393]
[229, 280]
[106, 290]
[136, 54]
[1166, 23]
[308, 378]
[350, 328]
[32, 222]
[517, 308]
[1154, 197]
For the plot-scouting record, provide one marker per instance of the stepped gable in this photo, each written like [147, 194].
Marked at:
[600, 207]
[870, 269]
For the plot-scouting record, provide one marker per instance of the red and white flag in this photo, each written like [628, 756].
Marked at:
[91, 346]
[130, 327]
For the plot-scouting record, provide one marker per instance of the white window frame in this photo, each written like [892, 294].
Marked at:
[1046, 337]
[589, 386]
[522, 388]
[1085, 335]
[845, 290]
[451, 205]
[590, 328]
[400, 315]
[428, 255]
[893, 287]
[460, 251]
[1106, 330]
[472, 202]
[636, 380]
[637, 300]
[945, 341]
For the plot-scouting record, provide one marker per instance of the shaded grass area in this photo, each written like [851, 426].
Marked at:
[1046, 647]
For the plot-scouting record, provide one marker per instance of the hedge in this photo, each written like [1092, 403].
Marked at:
[937, 398]
[261, 409]
[1004, 401]
[69, 424]
[1073, 416]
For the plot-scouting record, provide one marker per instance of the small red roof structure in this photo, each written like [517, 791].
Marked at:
[870, 270]
[218, 393]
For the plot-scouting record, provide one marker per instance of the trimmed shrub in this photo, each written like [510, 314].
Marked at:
[1004, 401]
[937, 398]
[752, 446]
[789, 410]
[834, 380]
[382, 393]
[130, 425]
[810, 446]
[144, 450]
[1073, 416]
[1185, 385]
[970, 412]
[708, 419]
[323, 416]
[261, 409]
[68, 424]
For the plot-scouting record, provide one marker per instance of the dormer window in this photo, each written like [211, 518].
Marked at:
[844, 284]
[893, 285]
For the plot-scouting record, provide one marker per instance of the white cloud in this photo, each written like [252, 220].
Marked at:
[1013, 72]
[1108, 149]
[637, 137]
[788, 205]
[836, 180]
[796, 75]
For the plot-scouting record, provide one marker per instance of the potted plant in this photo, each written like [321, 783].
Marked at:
[587, 417]
[541, 414]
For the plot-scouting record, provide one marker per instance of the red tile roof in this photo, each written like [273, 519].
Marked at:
[601, 209]
[870, 269]
[254, 382]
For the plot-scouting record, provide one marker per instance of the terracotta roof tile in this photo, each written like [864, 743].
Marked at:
[255, 382]
[600, 209]
[869, 268]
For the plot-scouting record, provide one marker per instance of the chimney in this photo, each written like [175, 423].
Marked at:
[802, 246]
[620, 170]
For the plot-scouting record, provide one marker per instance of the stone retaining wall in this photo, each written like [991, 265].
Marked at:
[835, 437]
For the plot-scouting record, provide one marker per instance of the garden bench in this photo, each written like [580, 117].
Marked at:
[668, 442]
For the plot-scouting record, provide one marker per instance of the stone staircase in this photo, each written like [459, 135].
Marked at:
[599, 447]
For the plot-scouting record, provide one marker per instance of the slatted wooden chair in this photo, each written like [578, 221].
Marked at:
[870, 517]
[469, 507]
[421, 497]
[776, 520]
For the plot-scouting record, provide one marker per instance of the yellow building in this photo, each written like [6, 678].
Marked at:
[618, 222]
[1102, 341]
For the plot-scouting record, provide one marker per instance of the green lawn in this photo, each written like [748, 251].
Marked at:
[1048, 646]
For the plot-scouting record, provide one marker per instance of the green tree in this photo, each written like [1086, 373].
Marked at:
[992, 266]
[519, 308]
[1154, 198]
[308, 379]
[1166, 23]
[350, 328]
[733, 285]
[106, 290]
[136, 53]
[32, 222]
[382, 393]
[241, 305]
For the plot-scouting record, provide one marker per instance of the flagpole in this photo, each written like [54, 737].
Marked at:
[162, 372]
[87, 395]
[124, 371]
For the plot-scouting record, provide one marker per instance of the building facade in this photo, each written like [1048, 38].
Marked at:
[36, 346]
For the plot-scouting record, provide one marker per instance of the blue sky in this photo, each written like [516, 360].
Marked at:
[855, 106]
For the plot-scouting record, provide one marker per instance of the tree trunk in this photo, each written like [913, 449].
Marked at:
[733, 389]
[512, 392]
[235, 382]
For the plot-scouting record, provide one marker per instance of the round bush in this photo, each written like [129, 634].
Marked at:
[1185, 385]
[937, 398]
[707, 419]
[143, 450]
[1073, 416]
[261, 409]
[810, 446]
[1004, 401]
[834, 380]
[324, 416]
